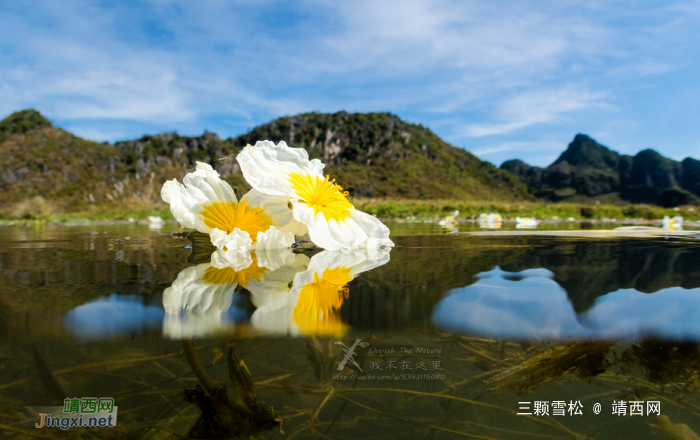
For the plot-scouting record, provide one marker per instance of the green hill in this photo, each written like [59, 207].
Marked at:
[379, 155]
[22, 122]
[44, 168]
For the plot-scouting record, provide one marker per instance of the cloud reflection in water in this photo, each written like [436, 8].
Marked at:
[111, 316]
[531, 305]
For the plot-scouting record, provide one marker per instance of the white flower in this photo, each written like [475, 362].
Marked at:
[492, 220]
[525, 222]
[333, 223]
[674, 224]
[449, 220]
[208, 204]
[313, 304]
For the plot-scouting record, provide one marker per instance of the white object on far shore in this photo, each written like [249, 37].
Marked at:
[492, 220]
[449, 220]
[525, 222]
[675, 223]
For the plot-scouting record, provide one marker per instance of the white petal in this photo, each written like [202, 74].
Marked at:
[188, 325]
[373, 227]
[283, 265]
[297, 156]
[277, 208]
[213, 189]
[205, 170]
[275, 317]
[358, 261]
[236, 240]
[199, 189]
[172, 196]
[190, 292]
[375, 243]
[173, 296]
[194, 307]
[235, 259]
[273, 238]
[359, 230]
[273, 259]
[329, 234]
[298, 229]
[267, 167]
[276, 310]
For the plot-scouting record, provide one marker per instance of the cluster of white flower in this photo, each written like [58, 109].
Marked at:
[673, 224]
[492, 220]
[290, 199]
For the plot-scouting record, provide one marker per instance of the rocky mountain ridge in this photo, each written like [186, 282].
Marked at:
[371, 155]
[587, 170]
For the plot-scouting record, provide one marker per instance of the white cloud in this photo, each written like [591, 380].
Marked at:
[516, 146]
[536, 107]
[97, 135]
[509, 66]
[416, 34]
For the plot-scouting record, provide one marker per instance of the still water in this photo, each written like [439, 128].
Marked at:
[449, 335]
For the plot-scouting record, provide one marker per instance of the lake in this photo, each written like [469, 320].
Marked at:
[449, 335]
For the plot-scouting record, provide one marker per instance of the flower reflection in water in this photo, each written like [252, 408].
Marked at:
[201, 298]
[292, 292]
[312, 306]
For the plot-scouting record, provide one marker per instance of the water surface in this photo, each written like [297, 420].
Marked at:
[448, 333]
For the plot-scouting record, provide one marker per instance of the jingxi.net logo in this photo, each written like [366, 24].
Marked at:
[86, 412]
[350, 353]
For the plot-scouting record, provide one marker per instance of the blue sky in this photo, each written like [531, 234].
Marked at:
[501, 79]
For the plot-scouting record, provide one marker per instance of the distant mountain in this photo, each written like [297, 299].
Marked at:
[588, 170]
[370, 154]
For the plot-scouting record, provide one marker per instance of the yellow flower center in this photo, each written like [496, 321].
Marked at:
[318, 309]
[228, 216]
[323, 195]
[228, 275]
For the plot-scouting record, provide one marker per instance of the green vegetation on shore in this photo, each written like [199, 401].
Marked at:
[541, 210]
[388, 209]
